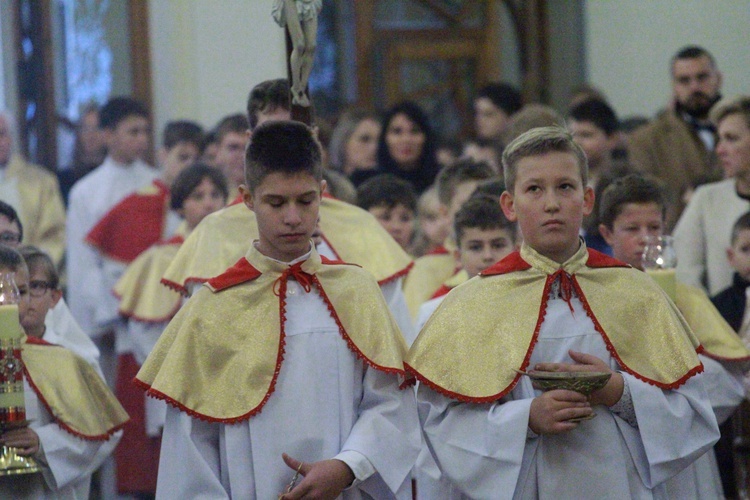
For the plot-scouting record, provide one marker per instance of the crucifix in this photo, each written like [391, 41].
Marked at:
[300, 20]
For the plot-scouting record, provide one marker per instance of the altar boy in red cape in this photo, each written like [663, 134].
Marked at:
[283, 373]
[557, 306]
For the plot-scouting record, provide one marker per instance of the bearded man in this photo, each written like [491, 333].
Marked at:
[677, 146]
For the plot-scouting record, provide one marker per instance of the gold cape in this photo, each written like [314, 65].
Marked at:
[74, 394]
[425, 278]
[219, 357]
[487, 327]
[717, 338]
[42, 212]
[223, 237]
[142, 296]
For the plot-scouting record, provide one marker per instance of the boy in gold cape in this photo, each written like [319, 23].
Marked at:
[557, 306]
[632, 209]
[283, 373]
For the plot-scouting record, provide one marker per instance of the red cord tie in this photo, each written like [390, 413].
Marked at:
[566, 287]
[295, 271]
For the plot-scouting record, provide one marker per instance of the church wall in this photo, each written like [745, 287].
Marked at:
[207, 54]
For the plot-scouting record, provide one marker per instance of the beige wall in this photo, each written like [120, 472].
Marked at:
[207, 54]
[629, 44]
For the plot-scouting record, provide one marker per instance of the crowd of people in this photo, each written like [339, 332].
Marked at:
[228, 348]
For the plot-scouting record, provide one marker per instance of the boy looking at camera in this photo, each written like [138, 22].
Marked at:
[557, 306]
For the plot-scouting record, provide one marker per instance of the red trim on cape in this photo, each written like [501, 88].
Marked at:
[352, 346]
[132, 225]
[613, 352]
[37, 341]
[323, 237]
[176, 286]
[511, 263]
[236, 201]
[271, 388]
[443, 290]
[439, 250]
[177, 239]
[598, 259]
[60, 423]
[241, 272]
[279, 359]
[702, 350]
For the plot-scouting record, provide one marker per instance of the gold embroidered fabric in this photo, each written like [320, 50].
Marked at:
[142, 296]
[714, 333]
[219, 357]
[484, 329]
[459, 278]
[223, 238]
[424, 279]
[75, 394]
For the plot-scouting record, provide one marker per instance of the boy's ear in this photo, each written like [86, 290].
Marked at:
[56, 296]
[606, 233]
[588, 200]
[247, 196]
[730, 256]
[507, 203]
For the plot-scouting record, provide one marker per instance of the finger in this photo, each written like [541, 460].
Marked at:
[295, 464]
[585, 359]
[297, 492]
[564, 395]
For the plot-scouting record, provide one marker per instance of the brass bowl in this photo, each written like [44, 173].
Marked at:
[583, 382]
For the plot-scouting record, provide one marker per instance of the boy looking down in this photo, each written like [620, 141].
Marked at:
[286, 366]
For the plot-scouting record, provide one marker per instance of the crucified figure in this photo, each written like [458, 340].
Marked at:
[301, 18]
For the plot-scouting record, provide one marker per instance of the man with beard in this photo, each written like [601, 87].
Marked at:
[677, 146]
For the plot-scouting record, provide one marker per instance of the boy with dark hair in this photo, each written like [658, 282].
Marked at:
[74, 420]
[595, 127]
[483, 236]
[348, 233]
[302, 329]
[557, 307]
[145, 307]
[393, 202]
[633, 209]
[268, 100]
[11, 229]
[493, 106]
[231, 137]
[455, 184]
[126, 127]
[732, 302]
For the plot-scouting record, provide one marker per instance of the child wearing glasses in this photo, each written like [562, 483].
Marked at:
[61, 393]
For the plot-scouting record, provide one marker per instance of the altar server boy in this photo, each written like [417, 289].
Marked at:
[283, 373]
[557, 306]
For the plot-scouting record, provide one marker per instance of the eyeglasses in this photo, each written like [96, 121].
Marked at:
[10, 238]
[37, 288]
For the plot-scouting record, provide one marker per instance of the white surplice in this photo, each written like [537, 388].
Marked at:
[327, 404]
[67, 461]
[701, 479]
[62, 329]
[487, 450]
[90, 199]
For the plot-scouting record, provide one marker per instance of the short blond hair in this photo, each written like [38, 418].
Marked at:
[739, 105]
[537, 142]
